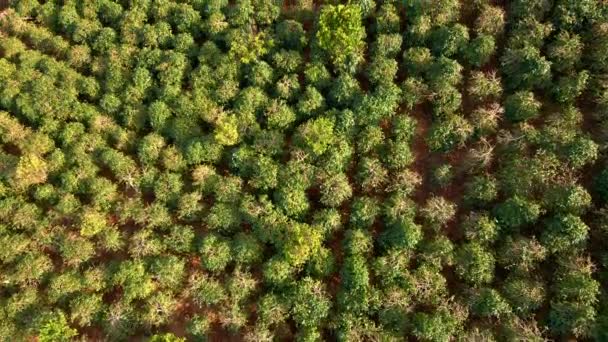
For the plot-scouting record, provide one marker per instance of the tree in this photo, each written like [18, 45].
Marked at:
[92, 222]
[31, 169]
[576, 293]
[382, 70]
[364, 211]
[525, 294]
[56, 328]
[341, 34]
[481, 189]
[491, 21]
[387, 45]
[291, 35]
[568, 199]
[246, 249]
[449, 133]
[569, 88]
[438, 211]
[479, 51]
[335, 190]
[226, 132]
[474, 264]
[574, 15]
[520, 253]
[517, 211]
[371, 174]
[440, 325]
[206, 290]
[437, 252]
[480, 227]
[525, 68]
[449, 40]
[581, 151]
[403, 234]
[216, 253]
[417, 60]
[292, 200]
[414, 91]
[484, 86]
[440, 12]
[310, 304]
[443, 175]
[167, 337]
[316, 135]
[521, 106]
[565, 51]
[488, 302]
[564, 232]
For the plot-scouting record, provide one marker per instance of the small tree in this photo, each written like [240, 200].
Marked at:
[565, 51]
[479, 51]
[438, 211]
[481, 189]
[488, 302]
[517, 211]
[484, 86]
[525, 294]
[341, 34]
[474, 264]
[216, 253]
[480, 227]
[310, 303]
[525, 68]
[316, 135]
[491, 21]
[521, 106]
[564, 232]
[335, 190]
[449, 133]
[56, 329]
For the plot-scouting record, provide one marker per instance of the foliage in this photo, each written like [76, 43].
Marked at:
[303, 170]
[340, 33]
[56, 328]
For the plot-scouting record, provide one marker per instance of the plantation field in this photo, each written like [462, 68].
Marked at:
[265, 170]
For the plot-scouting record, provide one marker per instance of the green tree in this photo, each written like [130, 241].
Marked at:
[310, 304]
[56, 328]
[525, 294]
[479, 51]
[480, 227]
[484, 86]
[31, 169]
[316, 135]
[335, 190]
[564, 232]
[565, 51]
[491, 21]
[481, 189]
[449, 40]
[451, 132]
[440, 325]
[521, 106]
[487, 302]
[525, 68]
[474, 264]
[517, 211]
[520, 253]
[216, 253]
[341, 33]
[226, 132]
